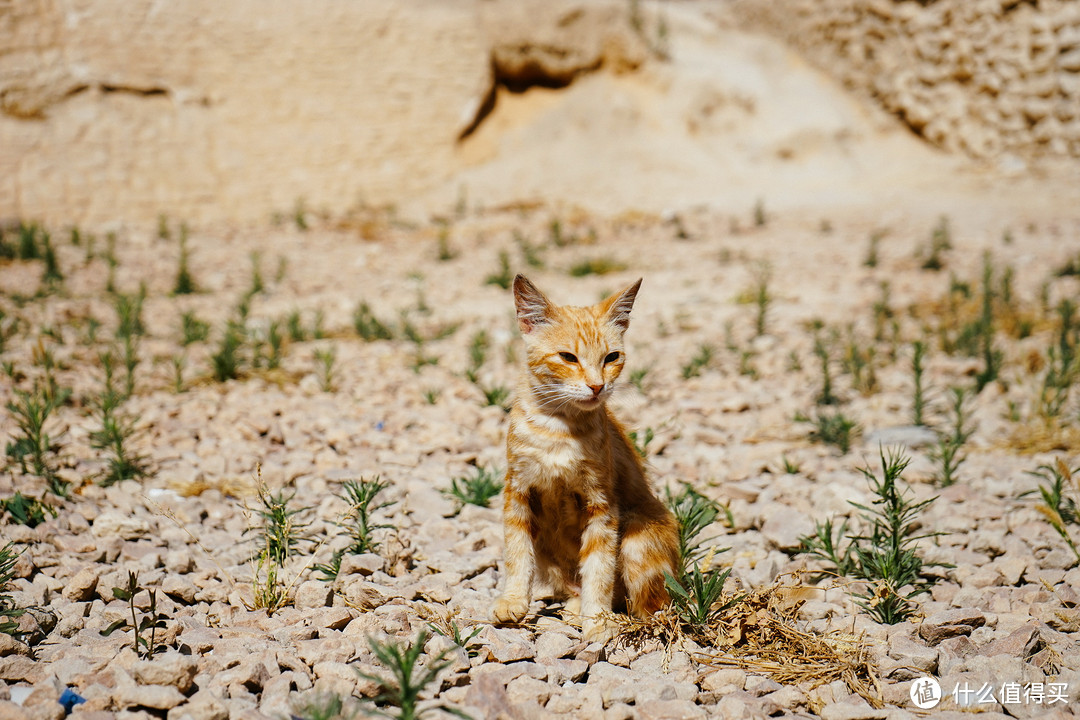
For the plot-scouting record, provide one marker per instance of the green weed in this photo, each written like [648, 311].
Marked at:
[871, 259]
[698, 596]
[399, 692]
[192, 329]
[114, 435]
[596, 266]
[144, 630]
[8, 610]
[184, 283]
[940, 242]
[477, 489]
[699, 362]
[454, 633]
[947, 453]
[228, 359]
[1060, 499]
[637, 378]
[27, 511]
[694, 513]
[887, 554]
[641, 442]
[360, 522]
[831, 429]
[281, 531]
[501, 277]
[32, 444]
[918, 400]
[369, 327]
[324, 367]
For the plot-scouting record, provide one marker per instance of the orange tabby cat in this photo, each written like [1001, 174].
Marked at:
[578, 513]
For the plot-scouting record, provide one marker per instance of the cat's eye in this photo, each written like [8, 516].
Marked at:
[568, 357]
[611, 357]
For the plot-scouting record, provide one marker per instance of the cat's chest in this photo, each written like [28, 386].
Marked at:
[544, 450]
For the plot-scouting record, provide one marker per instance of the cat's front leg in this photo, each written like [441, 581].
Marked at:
[599, 545]
[518, 531]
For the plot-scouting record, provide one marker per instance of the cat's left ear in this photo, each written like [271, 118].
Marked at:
[533, 307]
[617, 308]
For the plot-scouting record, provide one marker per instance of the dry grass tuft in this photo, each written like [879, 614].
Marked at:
[762, 634]
[1038, 436]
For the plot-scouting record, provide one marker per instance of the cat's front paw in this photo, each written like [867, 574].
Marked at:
[598, 630]
[509, 609]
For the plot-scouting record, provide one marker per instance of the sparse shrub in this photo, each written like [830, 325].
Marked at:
[871, 259]
[887, 554]
[947, 453]
[831, 428]
[694, 513]
[698, 363]
[940, 241]
[324, 366]
[185, 283]
[760, 219]
[368, 326]
[477, 489]
[27, 511]
[821, 350]
[228, 360]
[641, 442]
[51, 275]
[501, 277]
[399, 693]
[918, 400]
[698, 596]
[637, 378]
[360, 523]
[496, 396]
[529, 253]
[8, 610]
[1060, 499]
[114, 436]
[281, 531]
[596, 266]
[31, 410]
[456, 635]
[193, 329]
[446, 253]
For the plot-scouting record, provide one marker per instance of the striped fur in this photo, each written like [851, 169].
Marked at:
[578, 512]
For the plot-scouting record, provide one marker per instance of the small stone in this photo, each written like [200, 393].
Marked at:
[1011, 568]
[848, 711]
[335, 676]
[11, 646]
[179, 562]
[167, 669]
[115, 524]
[950, 623]
[553, 645]
[313, 594]
[82, 585]
[669, 710]
[179, 589]
[724, 679]
[526, 689]
[592, 653]
[784, 526]
[1022, 643]
[158, 697]
[17, 668]
[909, 659]
[365, 564]
[1059, 618]
[487, 694]
[203, 705]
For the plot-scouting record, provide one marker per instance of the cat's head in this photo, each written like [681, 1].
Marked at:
[575, 354]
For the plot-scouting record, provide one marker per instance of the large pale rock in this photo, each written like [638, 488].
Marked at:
[167, 669]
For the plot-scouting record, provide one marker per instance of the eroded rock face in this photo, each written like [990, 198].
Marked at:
[121, 111]
[981, 77]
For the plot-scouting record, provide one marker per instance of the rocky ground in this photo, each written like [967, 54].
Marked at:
[1005, 614]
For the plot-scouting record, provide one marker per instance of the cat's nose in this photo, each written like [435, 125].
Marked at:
[596, 389]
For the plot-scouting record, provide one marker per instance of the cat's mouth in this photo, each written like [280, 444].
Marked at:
[590, 402]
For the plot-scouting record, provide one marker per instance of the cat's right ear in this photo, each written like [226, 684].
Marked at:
[533, 307]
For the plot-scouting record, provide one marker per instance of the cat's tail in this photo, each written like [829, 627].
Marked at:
[648, 549]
